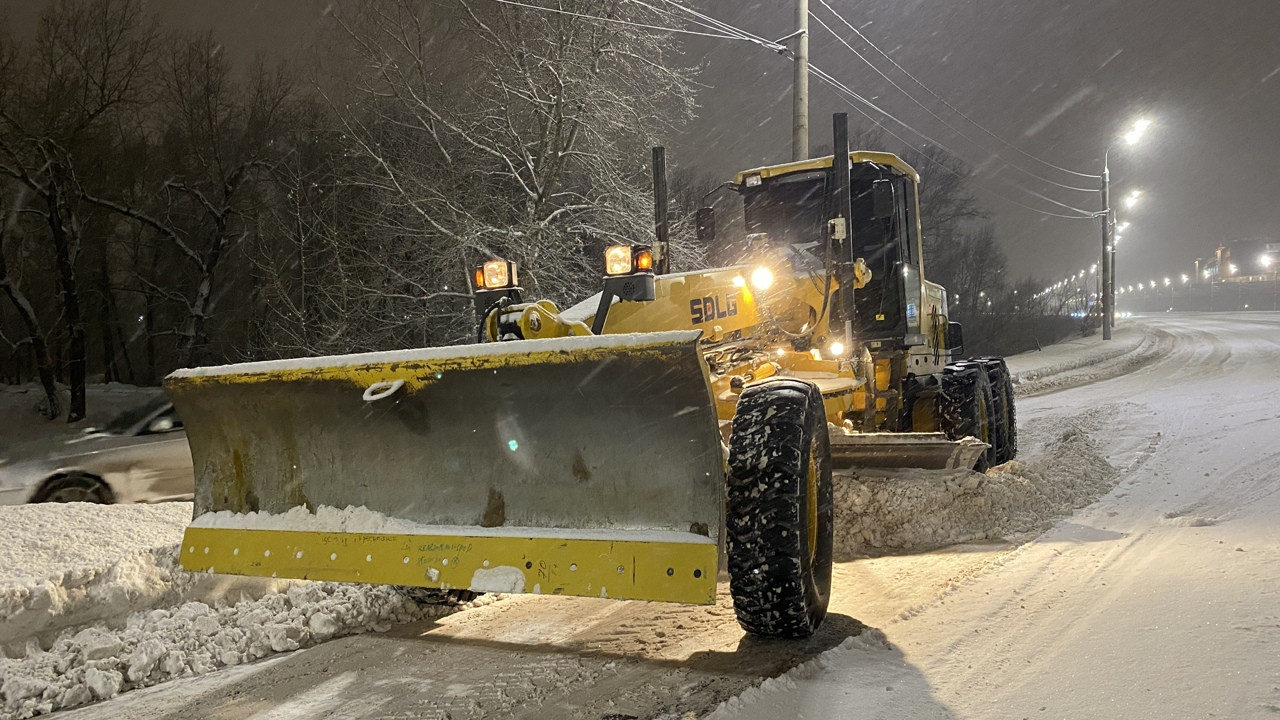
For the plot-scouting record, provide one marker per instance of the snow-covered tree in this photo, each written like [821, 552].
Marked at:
[469, 130]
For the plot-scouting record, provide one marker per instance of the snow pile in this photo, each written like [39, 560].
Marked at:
[901, 510]
[890, 511]
[74, 563]
[166, 643]
[93, 604]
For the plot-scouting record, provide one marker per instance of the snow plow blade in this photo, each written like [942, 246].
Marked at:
[580, 466]
[928, 451]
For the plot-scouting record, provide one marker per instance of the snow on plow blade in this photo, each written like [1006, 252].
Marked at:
[929, 451]
[579, 466]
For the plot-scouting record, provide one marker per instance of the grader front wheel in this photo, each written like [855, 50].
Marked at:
[778, 521]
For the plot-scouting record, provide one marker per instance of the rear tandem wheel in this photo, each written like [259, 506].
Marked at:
[965, 408]
[779, 515]
[1005, 420]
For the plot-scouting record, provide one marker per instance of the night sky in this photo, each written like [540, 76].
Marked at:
[1059, 80]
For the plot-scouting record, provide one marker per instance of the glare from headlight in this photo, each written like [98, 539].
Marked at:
[836, 348]
[762, 278]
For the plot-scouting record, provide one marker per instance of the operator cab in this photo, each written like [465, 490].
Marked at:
[793, 205]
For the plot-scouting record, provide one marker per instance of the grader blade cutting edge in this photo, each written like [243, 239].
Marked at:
[928, 451]
[578, 466]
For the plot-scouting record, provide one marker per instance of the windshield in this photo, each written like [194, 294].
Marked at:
[791, 209]
[125, 421]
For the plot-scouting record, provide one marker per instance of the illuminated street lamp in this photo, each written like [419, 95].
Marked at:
[1135, 134]
[1132, 136]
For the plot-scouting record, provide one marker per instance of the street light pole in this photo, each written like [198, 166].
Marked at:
[800, 86]
[1108, 231]
[1108, 223]
[1111, 277]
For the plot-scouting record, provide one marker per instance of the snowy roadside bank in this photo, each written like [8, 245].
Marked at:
[1084, 360]
[93, 604]
[1059, 468]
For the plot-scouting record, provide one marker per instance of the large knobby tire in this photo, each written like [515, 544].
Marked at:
[1005, 424]
[75, 487]
[965, 408]
[779, 515]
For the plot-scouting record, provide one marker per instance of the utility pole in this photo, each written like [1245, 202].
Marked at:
[1108, 318]
[800, 86]
[1111, 280]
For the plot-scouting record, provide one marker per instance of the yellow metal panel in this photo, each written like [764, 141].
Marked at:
[625, 569]
[417, 373]
[694, 300]
[824, 163]
[883, 374]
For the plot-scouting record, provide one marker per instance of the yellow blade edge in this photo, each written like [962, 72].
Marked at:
[624, 569]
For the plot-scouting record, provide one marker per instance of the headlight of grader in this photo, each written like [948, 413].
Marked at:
[495, 275]
[761, 278]
[627, 260]
[628, 276]
[494, 285]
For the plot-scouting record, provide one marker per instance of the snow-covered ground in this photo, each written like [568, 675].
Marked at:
[92, 603]
[1160, 600]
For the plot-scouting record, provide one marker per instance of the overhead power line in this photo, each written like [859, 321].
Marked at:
[843, 89]
[710, 22]
[728, 31]
[597, 18]
[951, 107]
[937, 117]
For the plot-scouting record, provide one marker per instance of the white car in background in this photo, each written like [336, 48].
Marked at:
[141, 455]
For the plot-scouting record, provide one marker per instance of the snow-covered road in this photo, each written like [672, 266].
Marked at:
[1158, 600]
[1161, 600]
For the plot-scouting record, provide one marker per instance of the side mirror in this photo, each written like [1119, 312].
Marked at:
[160, 425]
[955, 338]
[706, 219]
[882, 199]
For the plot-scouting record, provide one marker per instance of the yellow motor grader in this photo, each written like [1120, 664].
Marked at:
[631, 446]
